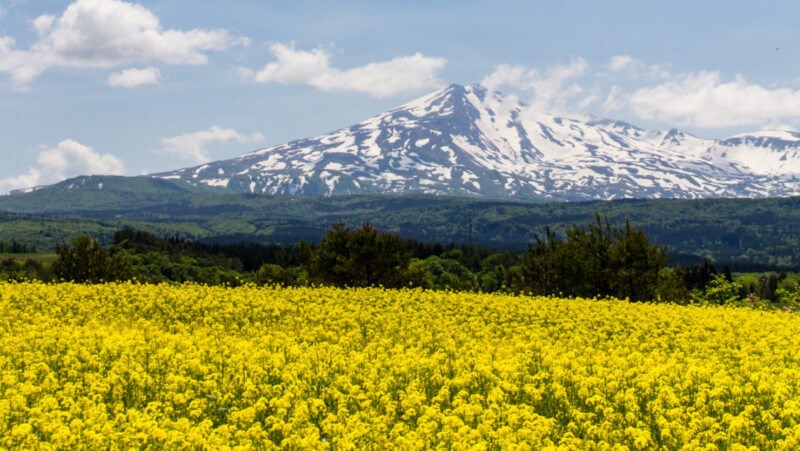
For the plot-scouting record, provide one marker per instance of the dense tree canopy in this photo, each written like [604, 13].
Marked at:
[596, 259]
[84, 260]
[360, 258]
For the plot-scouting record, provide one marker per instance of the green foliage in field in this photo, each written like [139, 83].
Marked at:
[596, 260]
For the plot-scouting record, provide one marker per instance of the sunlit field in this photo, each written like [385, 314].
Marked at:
[128, 365]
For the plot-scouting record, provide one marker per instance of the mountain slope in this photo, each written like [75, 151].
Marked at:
[102, 193]
[469, 141]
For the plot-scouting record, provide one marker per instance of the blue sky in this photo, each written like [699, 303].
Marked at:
[126, 87]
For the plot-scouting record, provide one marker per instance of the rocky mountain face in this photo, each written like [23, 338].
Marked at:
[470, 141]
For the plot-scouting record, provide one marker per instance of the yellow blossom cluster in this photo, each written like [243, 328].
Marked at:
[125, 365]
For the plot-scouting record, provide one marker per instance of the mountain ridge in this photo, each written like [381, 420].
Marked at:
[475, 142]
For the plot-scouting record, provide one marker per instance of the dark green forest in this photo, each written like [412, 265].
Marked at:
[597, 259]
[746, 234]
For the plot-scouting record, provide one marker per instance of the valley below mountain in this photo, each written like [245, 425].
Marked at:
[748, 233]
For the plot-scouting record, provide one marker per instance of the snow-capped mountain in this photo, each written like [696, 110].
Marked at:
[470, 141]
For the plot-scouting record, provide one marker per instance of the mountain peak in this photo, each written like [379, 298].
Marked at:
[468, 140]
[454, 99]
[462, 90]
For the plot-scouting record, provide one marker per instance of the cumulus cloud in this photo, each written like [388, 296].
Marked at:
[551, 89]
[27, 180]
[131, 78]
[106, 34]
[614, 100]
[704, 100]
[629, 69]
[639, 90]
[194, 146]
[621, 62]
[68, 158]
[380, 79]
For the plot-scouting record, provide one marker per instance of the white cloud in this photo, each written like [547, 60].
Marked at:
[293, 66]
[44, 23]
[131, 78]
[70, 158]
[551, 90]
[704, 100]
[194, 146]
[381, 79]
[613, 101]
[700, 100]
[27, 180]
[621, 62]
[628, 68]
[106, 34]
[6, 43]
[67, 159]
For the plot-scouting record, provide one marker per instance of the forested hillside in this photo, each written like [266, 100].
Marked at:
[749, 233]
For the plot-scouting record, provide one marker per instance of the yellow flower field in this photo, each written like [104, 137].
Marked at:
[127, 365]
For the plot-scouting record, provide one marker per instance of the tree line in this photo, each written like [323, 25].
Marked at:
[593, 260]
[14, 247]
